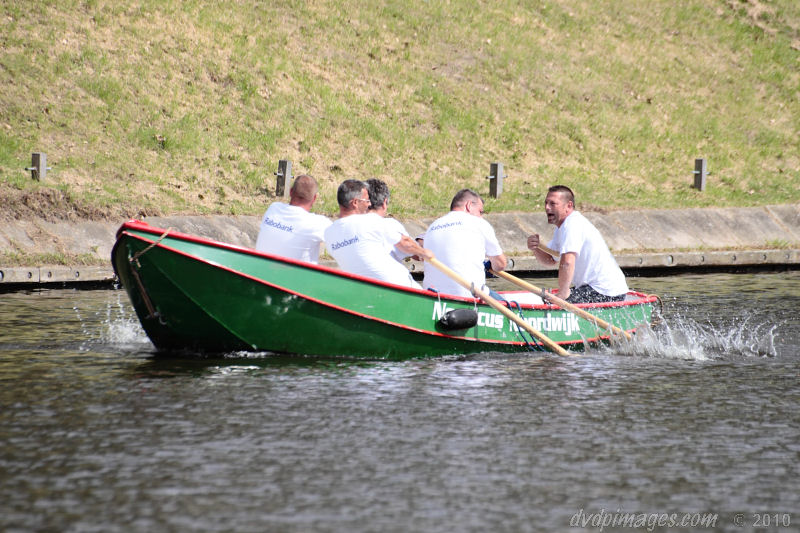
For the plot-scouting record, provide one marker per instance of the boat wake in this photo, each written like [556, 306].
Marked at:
[685, 338]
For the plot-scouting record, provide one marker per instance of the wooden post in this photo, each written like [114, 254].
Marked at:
[700, 174]
[495, 178]
[38, 166]
[284, 174]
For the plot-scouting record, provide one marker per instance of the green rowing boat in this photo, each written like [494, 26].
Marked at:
[196, 295]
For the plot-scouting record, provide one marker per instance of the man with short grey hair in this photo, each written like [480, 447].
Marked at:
[379, 204]
[362, 242]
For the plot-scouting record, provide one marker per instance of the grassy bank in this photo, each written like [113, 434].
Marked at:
[168, 106]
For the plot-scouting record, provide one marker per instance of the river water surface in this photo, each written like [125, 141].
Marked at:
[697, 420]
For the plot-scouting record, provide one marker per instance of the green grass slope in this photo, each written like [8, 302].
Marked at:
[169, 106]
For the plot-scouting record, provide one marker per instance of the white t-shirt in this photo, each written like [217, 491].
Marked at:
[397, 254]
[594, 265]
[362, 244]
[291, 231]
[462, 242]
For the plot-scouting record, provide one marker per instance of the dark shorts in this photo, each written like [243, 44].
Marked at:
[585, 294]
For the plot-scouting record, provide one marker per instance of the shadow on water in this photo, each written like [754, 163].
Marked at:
[163, 365]
[166, 365]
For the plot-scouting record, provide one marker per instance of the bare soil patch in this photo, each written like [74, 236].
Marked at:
[54, 205]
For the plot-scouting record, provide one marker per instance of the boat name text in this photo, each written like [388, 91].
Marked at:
[562, 321]
[551, 321]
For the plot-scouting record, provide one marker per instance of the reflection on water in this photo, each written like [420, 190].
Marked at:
[698, 415]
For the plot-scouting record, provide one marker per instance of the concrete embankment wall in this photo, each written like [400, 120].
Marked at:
[640, 239]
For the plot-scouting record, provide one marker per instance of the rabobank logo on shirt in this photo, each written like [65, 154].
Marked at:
[445, 225]
[342, 244]
[277, 225]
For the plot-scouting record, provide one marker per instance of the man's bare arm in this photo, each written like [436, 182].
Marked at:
[409, 246]
[566, 270]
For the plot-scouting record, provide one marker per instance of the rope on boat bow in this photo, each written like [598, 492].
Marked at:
[140, 253]
[134, 261]
[529, 342]
[532, 345]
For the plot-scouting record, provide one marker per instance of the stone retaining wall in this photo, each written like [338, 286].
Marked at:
[657, 238]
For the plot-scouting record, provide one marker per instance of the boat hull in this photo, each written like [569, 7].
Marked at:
[201, 296]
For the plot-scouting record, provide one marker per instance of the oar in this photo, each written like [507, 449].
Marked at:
[561, 303]
[552, 346]
[542, 247]
[548, 251]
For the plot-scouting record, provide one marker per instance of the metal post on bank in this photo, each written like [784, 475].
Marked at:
[284, 175]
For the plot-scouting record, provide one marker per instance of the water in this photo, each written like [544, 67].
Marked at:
[699, 418]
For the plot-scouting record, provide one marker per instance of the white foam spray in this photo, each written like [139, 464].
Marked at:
[685, 338]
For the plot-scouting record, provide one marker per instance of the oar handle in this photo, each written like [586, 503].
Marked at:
[548, 251]
[562, 303]
[547, 341]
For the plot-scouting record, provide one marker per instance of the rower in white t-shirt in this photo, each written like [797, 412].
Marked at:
[462, 240]
[362, 242]
[585, 260]
[291, 230]
[379, 195]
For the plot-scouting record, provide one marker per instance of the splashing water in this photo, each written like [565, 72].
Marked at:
[114, 325]
[685, 338]
[123, 331]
